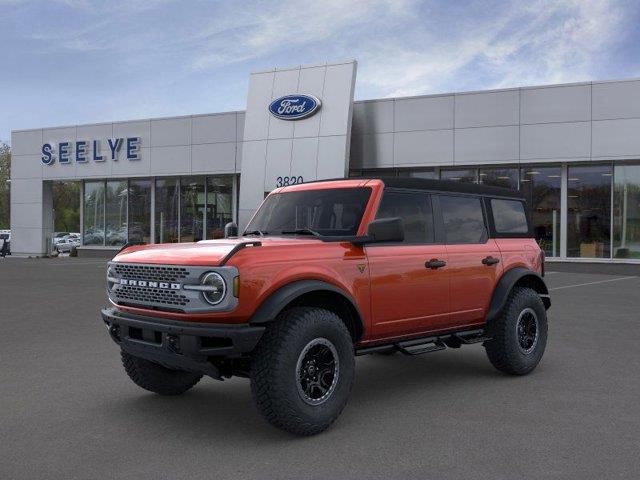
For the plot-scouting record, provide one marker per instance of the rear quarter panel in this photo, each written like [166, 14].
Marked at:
[520, 252]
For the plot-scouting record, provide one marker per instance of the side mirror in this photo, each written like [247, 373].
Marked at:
[230, 230]
[386, 230]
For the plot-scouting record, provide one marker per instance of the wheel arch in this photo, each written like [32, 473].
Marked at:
[516, 277]
[315, 293]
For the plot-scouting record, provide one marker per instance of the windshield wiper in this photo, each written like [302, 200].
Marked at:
[255, 232]
[301, 231]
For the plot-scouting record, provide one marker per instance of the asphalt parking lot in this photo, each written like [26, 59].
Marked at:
[67, 409]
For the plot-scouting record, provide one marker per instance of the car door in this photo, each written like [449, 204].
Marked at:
[409, 280]
[474, 259]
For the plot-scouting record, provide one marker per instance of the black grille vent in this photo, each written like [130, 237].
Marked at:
[151, 273]
[144, 295]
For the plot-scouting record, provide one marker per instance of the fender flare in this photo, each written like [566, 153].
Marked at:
[506, 284]
[278, 300]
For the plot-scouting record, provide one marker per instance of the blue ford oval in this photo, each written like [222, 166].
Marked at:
[294, 107]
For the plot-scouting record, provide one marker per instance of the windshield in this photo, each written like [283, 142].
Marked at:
[327, 212]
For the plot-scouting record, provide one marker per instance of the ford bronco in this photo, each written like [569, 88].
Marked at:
[324, 272]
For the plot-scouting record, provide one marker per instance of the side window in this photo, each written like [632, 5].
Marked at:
[415, 211]
[463, 219]
[509, 216]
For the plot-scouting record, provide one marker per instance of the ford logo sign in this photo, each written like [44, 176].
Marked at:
[294, 107]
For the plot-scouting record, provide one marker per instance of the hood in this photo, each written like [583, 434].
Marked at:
[204, 253]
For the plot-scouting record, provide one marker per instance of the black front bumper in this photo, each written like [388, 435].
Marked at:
[180, 345]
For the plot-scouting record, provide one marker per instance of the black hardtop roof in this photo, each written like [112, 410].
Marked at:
[449, 186]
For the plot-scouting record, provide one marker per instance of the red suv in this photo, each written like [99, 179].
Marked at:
[327, 271]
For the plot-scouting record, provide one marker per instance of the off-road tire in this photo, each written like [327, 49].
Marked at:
[503, 349]
[156, 378]
[274, 375]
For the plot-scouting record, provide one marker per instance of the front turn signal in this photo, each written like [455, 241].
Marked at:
[236, 286]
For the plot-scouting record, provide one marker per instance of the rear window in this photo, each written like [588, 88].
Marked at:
[463, 219]
[509, 216]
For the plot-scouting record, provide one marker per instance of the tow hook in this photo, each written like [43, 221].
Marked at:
[114, 331]
[173, 343]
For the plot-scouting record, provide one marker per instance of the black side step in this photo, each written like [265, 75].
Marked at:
[418, 346]
[421, 348]
[471, 337]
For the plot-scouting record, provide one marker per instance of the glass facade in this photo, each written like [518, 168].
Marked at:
[589, 211]
[185, 209]
[459, 175]
[167, 210]
[116, 212]
[602, 215]
[192, 209]
[93, 207]
[219, 205]
[139, 211]
[626, 211]
[499, 177]
[542, 187]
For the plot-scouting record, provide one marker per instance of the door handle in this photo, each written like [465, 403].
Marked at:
[490, 260]
[434, 263]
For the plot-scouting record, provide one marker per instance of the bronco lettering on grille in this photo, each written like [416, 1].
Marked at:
[148, 284]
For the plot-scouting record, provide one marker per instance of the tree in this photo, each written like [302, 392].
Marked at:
[66, 205]
[5, 175]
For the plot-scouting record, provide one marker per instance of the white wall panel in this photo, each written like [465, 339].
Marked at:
[555, 141]
[304, 157]
[170, 160]
[213, 128]
[556, 104]
[425, 113]
[616, 138]
[430, 147]
[372, 117]
[213, 158]
[26, 166]
[330, 148]
[310, 82]
[170, 132]
[613, 100]
[26, 142]
[256, 122]
[372, 151]
[487, 109]
[487, 144]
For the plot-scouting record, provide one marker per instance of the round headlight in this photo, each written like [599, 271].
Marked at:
[215, 288]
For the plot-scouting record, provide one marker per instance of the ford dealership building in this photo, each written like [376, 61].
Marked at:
[573, 150]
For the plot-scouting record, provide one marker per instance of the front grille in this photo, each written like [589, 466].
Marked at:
[141, 295]
[165, 287]
[151, 273]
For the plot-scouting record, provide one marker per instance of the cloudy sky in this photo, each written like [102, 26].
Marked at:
[79, 61]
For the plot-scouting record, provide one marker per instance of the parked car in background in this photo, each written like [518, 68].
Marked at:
[66, 244]
[58, 236]
[5, 242]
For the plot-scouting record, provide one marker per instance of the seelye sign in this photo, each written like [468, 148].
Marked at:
[294, 107]
[82, 151]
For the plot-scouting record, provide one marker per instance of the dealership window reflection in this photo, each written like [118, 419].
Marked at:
[499, 177]
[93, 228]
[460, 175]
[626, 211]
[219, 205]
[589, 211]
[192, 209]
[167, 210]
[140, 211]
[116, 212]
[541, 187]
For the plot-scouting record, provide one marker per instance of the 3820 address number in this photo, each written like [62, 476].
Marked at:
[286, 181]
